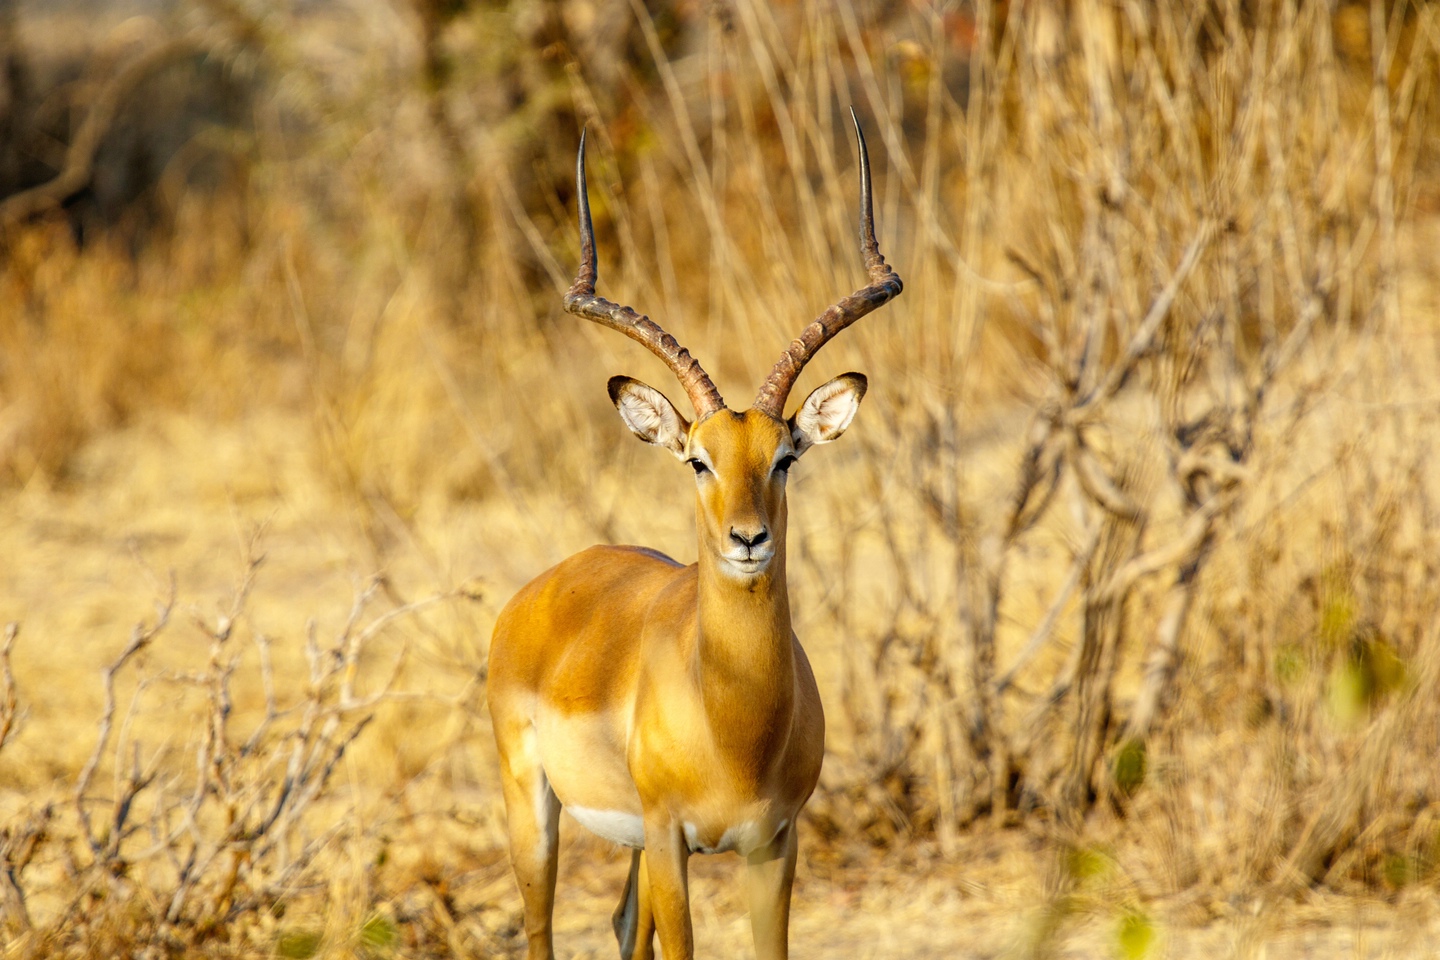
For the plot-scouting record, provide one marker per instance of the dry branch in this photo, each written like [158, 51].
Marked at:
[1046, 627]
[9, 701]
[104, 844]
[79, 167]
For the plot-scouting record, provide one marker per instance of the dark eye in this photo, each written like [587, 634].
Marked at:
[785, 464]
[699, 468]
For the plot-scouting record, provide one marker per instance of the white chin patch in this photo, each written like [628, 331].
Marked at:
[626, 829]
[744, 569]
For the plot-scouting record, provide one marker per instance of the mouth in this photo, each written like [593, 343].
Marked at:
[749, 564]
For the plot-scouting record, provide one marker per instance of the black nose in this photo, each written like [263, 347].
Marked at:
[752, 540]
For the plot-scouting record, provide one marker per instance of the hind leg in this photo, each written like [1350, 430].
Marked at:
[532, 813]
[633, 922]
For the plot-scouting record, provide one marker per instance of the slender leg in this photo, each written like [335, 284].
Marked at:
[768, 877]
[533, 814]
[645, 916]
[633, 922]
[667, 862]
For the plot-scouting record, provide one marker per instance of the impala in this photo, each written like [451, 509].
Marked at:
[670, 708]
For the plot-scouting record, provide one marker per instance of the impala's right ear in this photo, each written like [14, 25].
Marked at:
[649, 415]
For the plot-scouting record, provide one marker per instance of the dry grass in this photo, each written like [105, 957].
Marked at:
[1121, 590]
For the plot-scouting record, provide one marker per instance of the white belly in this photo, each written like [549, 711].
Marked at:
[584, 762]
[626, 829]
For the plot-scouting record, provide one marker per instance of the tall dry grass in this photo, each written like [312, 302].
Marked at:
[1132, 548]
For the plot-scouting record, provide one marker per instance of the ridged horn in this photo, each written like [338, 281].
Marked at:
[582, 301]
[884, 286]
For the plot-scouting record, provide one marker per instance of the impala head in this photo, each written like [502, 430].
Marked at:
[741, 460]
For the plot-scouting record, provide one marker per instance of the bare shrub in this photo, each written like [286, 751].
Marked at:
[210, 836]
[1201, 210]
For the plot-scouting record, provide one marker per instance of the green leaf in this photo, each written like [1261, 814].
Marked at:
[1130, 766]
[1135, 936]
[299, 944]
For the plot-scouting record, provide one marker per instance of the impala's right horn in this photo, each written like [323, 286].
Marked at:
[884, 286]
[581, 300]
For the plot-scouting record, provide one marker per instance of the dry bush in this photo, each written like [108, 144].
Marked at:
[1201, 207]
[206, 810]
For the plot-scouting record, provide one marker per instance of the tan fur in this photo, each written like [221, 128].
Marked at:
[623, 682]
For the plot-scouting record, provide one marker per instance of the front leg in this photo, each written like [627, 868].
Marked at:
[667, 861]
[769, 874]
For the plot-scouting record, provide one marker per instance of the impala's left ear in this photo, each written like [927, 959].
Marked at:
[827, 411]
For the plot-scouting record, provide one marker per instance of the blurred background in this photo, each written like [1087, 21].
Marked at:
[1121, 590]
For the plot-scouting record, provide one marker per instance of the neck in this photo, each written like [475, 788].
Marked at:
[744, 616]
[747, 663]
